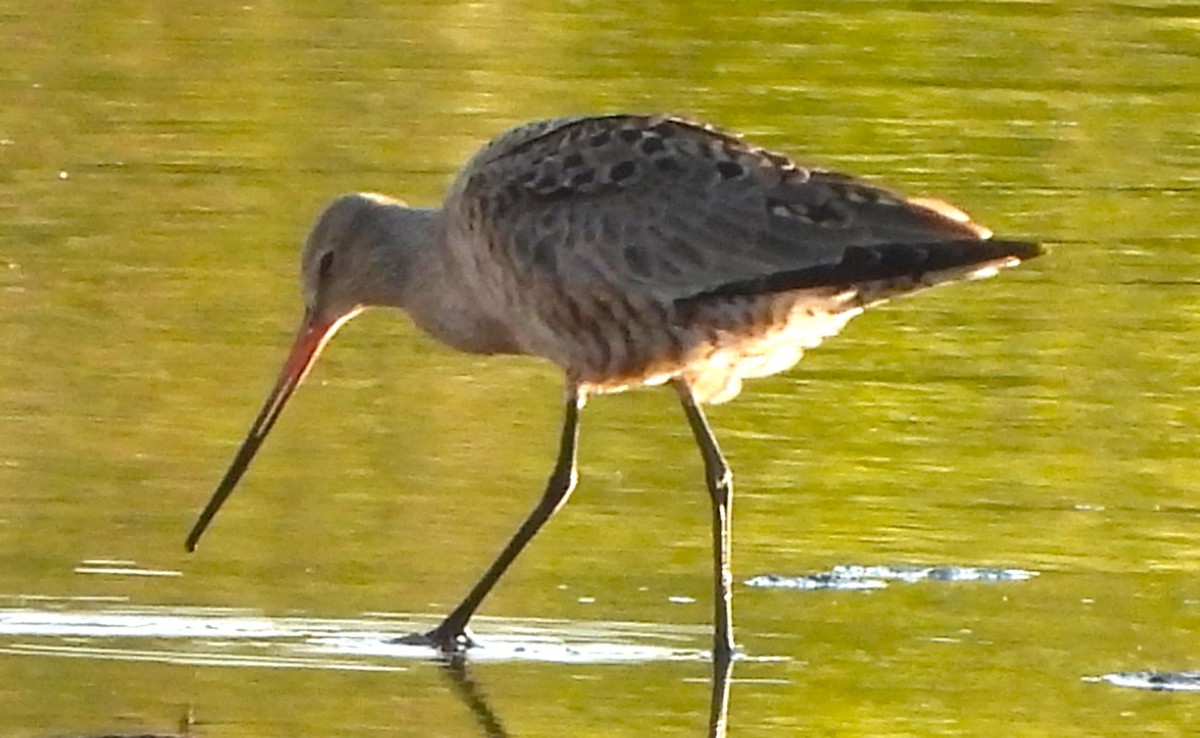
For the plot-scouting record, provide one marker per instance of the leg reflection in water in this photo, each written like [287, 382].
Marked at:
[719, 706]
[468, 690]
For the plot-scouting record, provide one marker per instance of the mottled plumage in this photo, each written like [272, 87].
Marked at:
[628, 250]
[612, 246]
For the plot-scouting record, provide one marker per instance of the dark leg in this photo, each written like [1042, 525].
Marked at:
[452, 635]
[720, 488]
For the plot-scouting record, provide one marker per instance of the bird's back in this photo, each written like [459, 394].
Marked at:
[629, 249]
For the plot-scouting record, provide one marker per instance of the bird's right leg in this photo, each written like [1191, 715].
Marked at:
[452, 635]
[720, 489]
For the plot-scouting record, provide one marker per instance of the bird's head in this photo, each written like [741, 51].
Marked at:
[342, 271]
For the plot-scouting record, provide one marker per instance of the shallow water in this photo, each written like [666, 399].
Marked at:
[159, 167]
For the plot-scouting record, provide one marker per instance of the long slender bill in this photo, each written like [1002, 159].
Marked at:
[314, 333]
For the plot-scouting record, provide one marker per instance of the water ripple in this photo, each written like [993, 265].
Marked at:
[856, 577]
[244, 638]
[1157, 681]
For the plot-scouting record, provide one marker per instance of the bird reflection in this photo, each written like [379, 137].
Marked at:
[472, 696]
[719, 706]
[469, 692]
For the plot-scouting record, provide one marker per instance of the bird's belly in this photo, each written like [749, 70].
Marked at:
[625, 344]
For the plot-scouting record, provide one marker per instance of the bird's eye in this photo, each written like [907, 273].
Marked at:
[325, 266]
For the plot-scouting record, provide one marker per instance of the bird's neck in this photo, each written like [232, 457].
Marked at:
[421, 277]
[402, 238]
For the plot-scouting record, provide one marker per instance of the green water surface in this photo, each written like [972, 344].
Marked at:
[160, 164]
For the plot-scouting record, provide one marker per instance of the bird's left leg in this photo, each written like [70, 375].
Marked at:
[720, 489]
[452, 635]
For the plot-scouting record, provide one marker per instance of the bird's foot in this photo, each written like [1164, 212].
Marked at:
[448, 639]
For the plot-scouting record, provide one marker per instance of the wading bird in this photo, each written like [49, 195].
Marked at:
[629, 250]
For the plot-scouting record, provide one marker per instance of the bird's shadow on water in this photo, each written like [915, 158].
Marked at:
[586, 643]
[458, 672]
